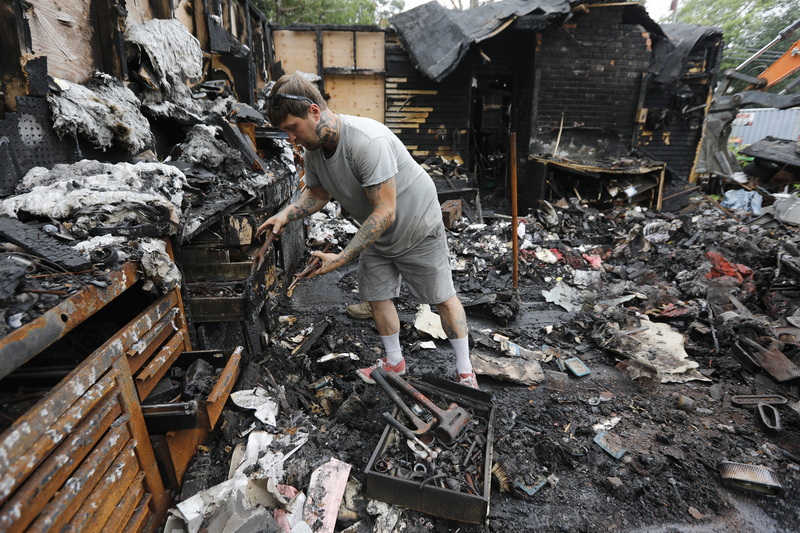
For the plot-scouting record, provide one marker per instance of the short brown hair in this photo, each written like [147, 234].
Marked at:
[297, 85]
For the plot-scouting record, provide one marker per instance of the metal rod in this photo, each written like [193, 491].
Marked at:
[512, 140]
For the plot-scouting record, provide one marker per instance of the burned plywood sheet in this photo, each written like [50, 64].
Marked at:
[438, 38]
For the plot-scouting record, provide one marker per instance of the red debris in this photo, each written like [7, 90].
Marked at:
[721, 267]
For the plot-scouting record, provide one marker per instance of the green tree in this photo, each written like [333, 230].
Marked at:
[748, 25]
[344, 12]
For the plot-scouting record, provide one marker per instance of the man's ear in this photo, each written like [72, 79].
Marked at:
[314, 111]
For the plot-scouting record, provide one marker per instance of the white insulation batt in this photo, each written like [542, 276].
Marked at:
[177, 59]
[103, 112]
[90, 192]
[174, 52]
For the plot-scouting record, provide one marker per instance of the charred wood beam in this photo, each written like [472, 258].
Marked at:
[357, 71]
[162, 8]
[21, 74]
[112, 14]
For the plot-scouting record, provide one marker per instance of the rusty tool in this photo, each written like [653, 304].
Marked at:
[422, 426]
[451, 421]
[258, 259]
[407, 433]
[313, 264]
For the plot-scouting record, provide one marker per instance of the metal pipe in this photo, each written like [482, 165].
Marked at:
[512, 140]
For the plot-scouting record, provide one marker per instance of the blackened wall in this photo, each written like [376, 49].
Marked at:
[590, 71]
[430, 118]
[675, 113]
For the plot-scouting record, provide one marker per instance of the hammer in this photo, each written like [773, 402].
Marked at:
[422, 426]
[451, 421]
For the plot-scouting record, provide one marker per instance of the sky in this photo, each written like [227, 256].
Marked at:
[656, 8]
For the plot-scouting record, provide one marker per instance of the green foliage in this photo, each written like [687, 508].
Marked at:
[343, 12]
[747, 24]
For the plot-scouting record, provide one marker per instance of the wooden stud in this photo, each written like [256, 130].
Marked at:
[124, 509]
[31, 438]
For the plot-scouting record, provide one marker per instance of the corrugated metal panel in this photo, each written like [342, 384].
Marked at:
[752, 125]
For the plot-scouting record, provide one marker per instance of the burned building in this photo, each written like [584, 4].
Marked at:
[135, 167]
[605, 103]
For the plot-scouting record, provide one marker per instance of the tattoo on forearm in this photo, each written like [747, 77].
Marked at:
[375, 225]
[302, 208]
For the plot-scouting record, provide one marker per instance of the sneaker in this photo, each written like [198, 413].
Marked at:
[468, 380]
[360, 310]
[366, 373]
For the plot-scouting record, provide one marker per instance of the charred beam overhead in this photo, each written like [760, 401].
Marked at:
[112, 34]
[20, 77]
[326, 27]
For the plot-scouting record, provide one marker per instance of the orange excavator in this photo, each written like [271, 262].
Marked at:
[714, 157]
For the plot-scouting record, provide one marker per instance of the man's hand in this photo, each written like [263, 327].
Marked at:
[328, 263]
[311, 200]
[275, 224]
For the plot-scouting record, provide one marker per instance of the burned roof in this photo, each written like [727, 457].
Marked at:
[437, 39]
[670, 55]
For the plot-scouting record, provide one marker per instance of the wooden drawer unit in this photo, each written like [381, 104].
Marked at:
[81, 458]
[161, 336]
[203, 414]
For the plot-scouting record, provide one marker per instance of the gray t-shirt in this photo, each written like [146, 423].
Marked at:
[368, 153]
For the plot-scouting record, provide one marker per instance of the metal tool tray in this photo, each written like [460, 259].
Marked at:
[431, 499]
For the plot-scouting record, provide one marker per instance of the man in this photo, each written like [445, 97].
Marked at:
[362, 164]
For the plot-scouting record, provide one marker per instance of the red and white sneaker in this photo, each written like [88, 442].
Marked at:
[366, 373]
[468, 380]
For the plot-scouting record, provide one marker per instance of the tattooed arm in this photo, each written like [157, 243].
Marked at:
[383, 198]
[311, 200]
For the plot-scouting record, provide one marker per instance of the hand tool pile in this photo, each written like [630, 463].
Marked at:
[445, 448]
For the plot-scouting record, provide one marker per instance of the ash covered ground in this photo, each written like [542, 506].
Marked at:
[624, 268]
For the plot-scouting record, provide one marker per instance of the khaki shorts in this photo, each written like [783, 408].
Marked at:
[425, 269]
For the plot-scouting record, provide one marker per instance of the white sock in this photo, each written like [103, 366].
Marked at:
[391, 343]
[461, 347]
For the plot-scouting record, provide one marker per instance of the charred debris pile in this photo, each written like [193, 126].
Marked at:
[647, 366]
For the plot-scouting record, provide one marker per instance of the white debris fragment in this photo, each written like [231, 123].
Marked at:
[159, 270]
[213, 508]
[94, 193]
[174, 53]
[564, 296]
[545, 256]
[427, 345]
[334, 356]
[429, 322]
[658, 346]
[524, 371]
[606, 425]
[259, 400]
